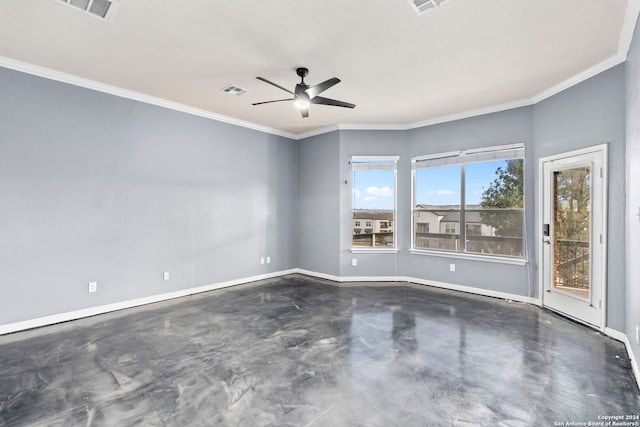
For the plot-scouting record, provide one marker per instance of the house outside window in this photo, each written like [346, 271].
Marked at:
[422, 227]
[450, 228]
[475, 199]
[374, 202]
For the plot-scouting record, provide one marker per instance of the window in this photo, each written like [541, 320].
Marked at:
[474, 198]
[374, 201]
[450, 228]
[357, 223]
[422, 227]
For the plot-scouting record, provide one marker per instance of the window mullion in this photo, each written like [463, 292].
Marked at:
[463, 202]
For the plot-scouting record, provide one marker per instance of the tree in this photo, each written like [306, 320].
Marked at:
[571, 226]
[505, 192]
[572, 190]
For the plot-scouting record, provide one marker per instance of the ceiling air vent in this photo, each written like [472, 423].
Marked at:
[421, 6]
[234, 90]
[101, 8]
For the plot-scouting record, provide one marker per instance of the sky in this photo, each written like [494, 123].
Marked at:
[434, 186]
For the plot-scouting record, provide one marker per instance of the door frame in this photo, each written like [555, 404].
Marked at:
[603, 148]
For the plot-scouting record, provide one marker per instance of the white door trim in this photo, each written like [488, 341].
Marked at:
[603, 148]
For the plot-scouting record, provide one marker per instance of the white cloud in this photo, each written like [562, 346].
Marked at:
[357, 192]
[440, 192]
[379, 191]
[369, 199]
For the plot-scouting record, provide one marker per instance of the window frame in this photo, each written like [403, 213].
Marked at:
[392, 162]
[464, 158]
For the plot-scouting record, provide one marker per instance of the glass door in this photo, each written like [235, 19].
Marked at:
[572, 231]
[572, 235]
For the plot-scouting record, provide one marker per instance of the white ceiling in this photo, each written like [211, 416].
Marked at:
[401, 69]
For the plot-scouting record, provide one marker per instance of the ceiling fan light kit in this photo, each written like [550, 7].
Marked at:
[305, 95]
[301, 104]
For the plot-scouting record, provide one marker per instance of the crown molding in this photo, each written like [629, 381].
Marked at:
[59, 76]
[624, 43]
[579, 78]
[334, 128]
[372, 127]
[471, 113]
[315, 132]
[628, 27]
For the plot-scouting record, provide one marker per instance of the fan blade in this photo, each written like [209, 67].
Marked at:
[334, 102]
[304, 112]
[316, 90]
[274, 84]
[277, 100]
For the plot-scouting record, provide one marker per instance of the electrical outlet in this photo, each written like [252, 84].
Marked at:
[452, 267]
[166, 275]
[268, 260]
[354, 262]
[261, 260]
[93, 286]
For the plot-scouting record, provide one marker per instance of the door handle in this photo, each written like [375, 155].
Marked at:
[546, 239]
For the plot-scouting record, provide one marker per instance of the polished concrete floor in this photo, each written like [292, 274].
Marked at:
[296, 351]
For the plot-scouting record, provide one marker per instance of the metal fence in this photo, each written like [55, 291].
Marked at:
[497, 245]
[571, 262]
[373, 239]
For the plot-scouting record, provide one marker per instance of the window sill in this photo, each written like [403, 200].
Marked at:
[374, 250]
[497, 259]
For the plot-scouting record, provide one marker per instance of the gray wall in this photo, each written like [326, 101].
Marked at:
[98, 188]
[632, 68]
[319, 204]
[588, 114]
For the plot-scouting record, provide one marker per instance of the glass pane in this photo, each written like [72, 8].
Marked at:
[493, 191]
[494, 232]
[497, 184]
[436, 229]
[373, 208]
[438, 187]
[437, 210]
[572, 231]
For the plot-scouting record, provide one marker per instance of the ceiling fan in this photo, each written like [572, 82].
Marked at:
[304, 95]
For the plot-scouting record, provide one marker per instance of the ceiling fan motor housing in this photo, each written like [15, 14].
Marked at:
[302, 72]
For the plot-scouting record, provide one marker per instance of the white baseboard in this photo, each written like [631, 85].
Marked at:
[616, 335]
[620, 336]
[476, 291]
[443, 285]
[343, 279]
[316, 274]
[93, 311]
